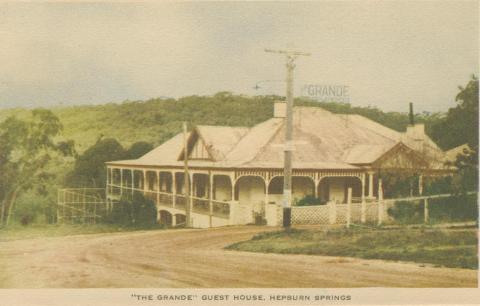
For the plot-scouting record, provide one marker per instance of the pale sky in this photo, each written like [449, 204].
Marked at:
[387, 53]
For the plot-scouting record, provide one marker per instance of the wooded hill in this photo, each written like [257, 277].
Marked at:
[157, 120]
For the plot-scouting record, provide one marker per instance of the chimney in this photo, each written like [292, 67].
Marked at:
[415, 134]
[279, 109]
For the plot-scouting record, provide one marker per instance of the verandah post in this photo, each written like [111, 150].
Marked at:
[349, 206]
[210, 197]
[363, 217]
[157, 188]
[132, 174]
[380, 202]
[174, 189]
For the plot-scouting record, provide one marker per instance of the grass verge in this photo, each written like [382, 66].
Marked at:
[448, 248]
[16, 232]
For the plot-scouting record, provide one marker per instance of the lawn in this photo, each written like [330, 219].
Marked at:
[52, 230]
[448, 248]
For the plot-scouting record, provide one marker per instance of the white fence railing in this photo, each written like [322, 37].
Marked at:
[365, 212]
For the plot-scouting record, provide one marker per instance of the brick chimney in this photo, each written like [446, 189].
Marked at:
[279, 109]
[415, 134]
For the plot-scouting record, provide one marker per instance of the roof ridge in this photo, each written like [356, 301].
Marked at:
[240, 139]
[222, 126]
[274, 134]
[373, 130]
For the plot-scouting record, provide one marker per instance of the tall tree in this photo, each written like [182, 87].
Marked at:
[90, 169]
[26, 147]
[460, 125]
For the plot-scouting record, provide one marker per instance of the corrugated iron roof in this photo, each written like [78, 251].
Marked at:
[323, 140]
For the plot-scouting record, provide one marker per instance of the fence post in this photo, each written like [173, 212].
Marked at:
[210, 197]
[380, 202]
[332, 208]
[363, 211]
[425, 210]
[349, 206]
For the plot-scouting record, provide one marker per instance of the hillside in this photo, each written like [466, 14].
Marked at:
[156, 120]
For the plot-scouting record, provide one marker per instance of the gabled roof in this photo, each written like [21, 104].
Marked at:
[452, 154]
[220, 140]
[323, 140]
[365, 154]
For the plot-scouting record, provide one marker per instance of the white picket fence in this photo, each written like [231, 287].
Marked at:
[333, 213]
[366, 212]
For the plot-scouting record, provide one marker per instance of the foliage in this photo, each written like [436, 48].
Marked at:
[138, 149]
[406, 212]
[157, 120]
[90, 169]
[396, 185]
[310, 200]
[439, 247]
[134, 210]
[450, 209]
[460, 125]
[27, 146]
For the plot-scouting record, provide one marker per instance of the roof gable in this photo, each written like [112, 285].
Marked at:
[212, 142]
[196, 148]
[400, 157]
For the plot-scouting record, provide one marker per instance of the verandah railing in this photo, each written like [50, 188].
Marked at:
[220, 209]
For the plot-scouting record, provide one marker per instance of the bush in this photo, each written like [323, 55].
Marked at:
[134, 210]
[450, 209]
[406, 212]
[310, 200]
[26, 219]
[456, 208]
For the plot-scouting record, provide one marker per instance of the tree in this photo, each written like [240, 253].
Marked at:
[460, 125]
[89, 169]
[26, 147]
[138, 149]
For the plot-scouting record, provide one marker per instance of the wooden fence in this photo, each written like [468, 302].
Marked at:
[355, 213]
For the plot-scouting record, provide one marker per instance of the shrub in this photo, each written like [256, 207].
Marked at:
[310, 200]
[449, 209]
[406, 212]
[134, 210]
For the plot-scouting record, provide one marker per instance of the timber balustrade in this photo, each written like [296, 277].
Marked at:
[220, 209]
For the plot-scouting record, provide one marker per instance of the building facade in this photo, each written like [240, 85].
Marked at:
[236, 173]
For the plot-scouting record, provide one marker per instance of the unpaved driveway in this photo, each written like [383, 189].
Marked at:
[195, 258]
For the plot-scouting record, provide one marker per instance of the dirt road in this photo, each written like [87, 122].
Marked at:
[195, 258]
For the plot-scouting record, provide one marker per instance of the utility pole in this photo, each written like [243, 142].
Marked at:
[290, 56]
[186, 177]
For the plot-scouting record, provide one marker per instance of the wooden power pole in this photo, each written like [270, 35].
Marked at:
[186, 178]
[287, 163]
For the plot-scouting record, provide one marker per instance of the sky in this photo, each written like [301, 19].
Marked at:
[386, 53]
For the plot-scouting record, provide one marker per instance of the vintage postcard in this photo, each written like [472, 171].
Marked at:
[239, 153]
